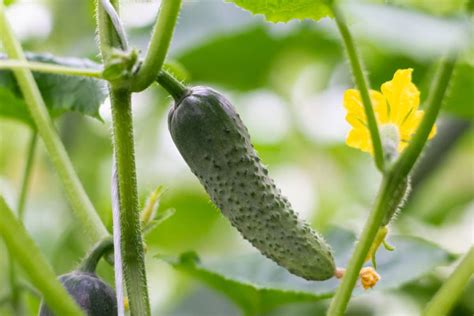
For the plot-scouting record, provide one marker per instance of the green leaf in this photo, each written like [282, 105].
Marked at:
[61, 93]
[13, 107]
[251, 56]
[250, 297]
[257, 284]
[286, 10]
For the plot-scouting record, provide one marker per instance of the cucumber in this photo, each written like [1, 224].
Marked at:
[216, 145]
[94, 296]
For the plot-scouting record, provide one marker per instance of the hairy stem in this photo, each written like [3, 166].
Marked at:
[159, 44]
[344, 291]
[72, 186]
[91, 260]
[131, 240]
[450, 291]
[391, 182]
[14, 287]
[50, 68]
[172, 85]
[29, 257]
[361, 83]
[434, 102]
[131, 243]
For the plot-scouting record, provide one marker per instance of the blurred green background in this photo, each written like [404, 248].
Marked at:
[287, 81]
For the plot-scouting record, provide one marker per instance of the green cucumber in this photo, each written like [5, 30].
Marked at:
[216, 145]
[94, 296]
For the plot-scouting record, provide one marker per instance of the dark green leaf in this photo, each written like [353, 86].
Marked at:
[256, 283]
[61, 93]
[247, 60]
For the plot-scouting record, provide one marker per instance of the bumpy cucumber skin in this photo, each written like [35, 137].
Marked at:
[216, 145]
[94, 296]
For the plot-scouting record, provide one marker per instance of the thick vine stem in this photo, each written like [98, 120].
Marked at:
[27, 254]
[131, 239]
[159, 44]
[75, 192]
[91, 260]
[131, 243]
[361, 83]
[450, 291]
[390, 184]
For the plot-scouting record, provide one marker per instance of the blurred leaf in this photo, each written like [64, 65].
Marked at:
[440, 7]
[253, 299]
[188, 228]
[284, 11]
[257, 283]
[246, 59]
[13, 107]
[61, 93]
[201, 301]
[460, 98]
[416, 34]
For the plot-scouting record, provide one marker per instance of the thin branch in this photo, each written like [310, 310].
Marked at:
[452, 288]
[50, 68]
[75, 192]
[159, 44]
[361, 83]
[29, 257]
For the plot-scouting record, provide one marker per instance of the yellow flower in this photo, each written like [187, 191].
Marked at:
[396, 111]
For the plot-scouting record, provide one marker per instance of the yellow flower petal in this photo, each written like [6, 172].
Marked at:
[409, 126]
[402, 95]
[360, 139]
[353, 104]
[355, 121]
[380, 107]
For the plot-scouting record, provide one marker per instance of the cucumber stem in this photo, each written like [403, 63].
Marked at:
[91, 260]
[172, 85]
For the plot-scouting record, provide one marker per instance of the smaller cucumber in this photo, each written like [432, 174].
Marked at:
[216, 145]
[94, 296]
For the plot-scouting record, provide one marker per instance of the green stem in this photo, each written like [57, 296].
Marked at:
[29, 257]
[131, 245]
[450, 291]
[15, 289]
[107, 35]
[392, 181]
[131, 242]
[361, 83]
[91, 260]
[27, 175]
[172, 85]
[344, 291]
[74, 190]
[434, 102]
[50, 68]
[159, 44]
